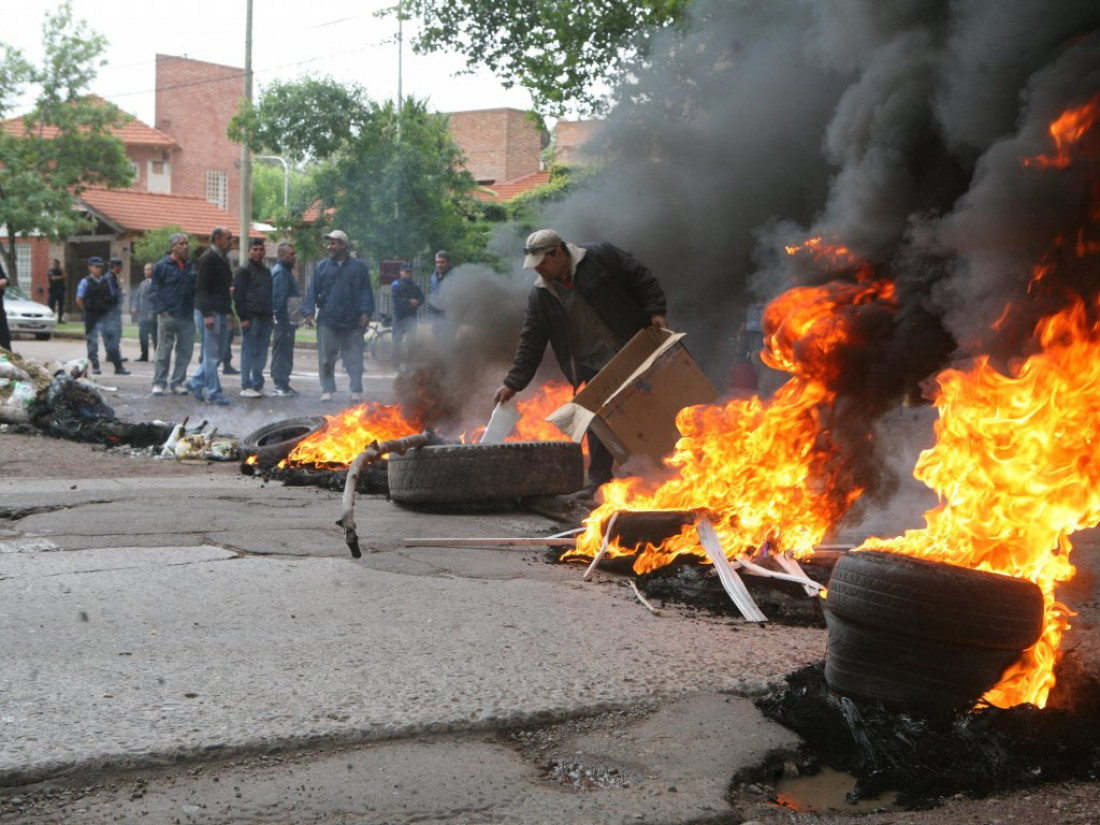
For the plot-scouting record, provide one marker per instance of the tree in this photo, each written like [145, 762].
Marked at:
[65, 143]
[394, 180]
[561, 52]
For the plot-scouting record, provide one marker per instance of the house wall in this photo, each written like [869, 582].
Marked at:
[499, 144]
[571, 139]
[195, 101]
[145, 157]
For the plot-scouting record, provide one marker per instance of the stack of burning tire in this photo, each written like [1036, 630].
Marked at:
[919, 635]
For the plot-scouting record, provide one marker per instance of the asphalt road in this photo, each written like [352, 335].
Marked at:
[201, 647]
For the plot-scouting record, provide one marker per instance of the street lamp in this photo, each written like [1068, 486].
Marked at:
[286, 176]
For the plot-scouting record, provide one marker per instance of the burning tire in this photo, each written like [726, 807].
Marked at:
[272, 443]
[459, 473]
[914, 633]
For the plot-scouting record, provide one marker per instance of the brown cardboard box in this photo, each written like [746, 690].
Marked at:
[632, 402]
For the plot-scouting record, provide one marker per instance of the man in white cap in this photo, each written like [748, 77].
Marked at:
[588, 302]
[340, 300]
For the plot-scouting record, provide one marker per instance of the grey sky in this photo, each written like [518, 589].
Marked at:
[289, 39]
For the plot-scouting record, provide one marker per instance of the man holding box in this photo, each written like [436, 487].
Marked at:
[588, 302]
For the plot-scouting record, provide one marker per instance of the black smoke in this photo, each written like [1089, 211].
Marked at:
[896, 128]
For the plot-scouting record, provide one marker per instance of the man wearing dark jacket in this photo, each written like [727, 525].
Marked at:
[341, 297]
[407, 298]
[587, 303]
[97, 300]
[173, 300]
[213, 301]
[254, 299]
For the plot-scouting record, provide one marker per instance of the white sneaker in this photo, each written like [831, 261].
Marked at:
[326, 396]
[356, 397]
[158, 390]
[251, 393]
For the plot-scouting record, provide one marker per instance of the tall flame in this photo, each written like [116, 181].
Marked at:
[1016, 464]
[765, 472]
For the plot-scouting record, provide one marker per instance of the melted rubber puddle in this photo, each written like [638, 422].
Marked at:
[827, 791]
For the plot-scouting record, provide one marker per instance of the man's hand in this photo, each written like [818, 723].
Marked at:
[307, 320]
[208, 321]
[364, 319]
[659, 321]
[245, 323]
[503, 394]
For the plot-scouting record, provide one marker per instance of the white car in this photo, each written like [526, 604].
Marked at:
[26, 316]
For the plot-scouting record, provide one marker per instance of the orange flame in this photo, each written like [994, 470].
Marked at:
[532, 424]
[1067, 132]
[764, 472]
[1017, 469]
[834, 257]
[348, 433]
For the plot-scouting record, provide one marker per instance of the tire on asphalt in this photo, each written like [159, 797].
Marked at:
[932, 600]
[458, 473]
[274, 442]
[908, 674]
[917, 634]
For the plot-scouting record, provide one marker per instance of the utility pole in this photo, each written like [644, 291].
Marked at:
[246, 158]
[400, 49]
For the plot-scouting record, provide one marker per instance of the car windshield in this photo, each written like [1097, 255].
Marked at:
[16, 293]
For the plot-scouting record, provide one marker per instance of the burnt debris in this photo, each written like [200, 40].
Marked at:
[925, 758]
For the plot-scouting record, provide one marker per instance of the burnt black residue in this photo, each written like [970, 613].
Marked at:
[372, 477]
[927, 758]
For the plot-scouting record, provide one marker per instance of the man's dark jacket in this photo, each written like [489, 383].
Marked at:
[403, 291]
[173, 289]
[252, 292]
[618, 287]
[212, 284]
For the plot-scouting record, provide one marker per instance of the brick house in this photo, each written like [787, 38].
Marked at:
[505, 149]
[186, 173]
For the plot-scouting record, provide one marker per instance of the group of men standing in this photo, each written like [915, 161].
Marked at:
[208, 295]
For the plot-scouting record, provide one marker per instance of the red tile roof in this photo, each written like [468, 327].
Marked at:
[507, 190]
[131, 133]
[139, 211]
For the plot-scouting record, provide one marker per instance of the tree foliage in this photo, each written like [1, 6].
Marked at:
[65, 143]
[561, 51]
[393, 180]
[154, 244]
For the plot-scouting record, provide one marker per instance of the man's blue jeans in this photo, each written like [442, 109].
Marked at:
[282, 354]
[255, 342]
[206, 377]
[346, 344]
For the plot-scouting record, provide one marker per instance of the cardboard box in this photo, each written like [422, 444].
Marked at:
[632, 402]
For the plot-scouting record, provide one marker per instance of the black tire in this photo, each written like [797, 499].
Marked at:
[485, 472]
[930, 600]
[42, 336]
[905, 673]
[272, 443]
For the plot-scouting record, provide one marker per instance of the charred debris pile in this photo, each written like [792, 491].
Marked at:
[925, 758]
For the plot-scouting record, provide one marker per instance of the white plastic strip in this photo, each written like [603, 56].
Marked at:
[730, 580]
[603, 549]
